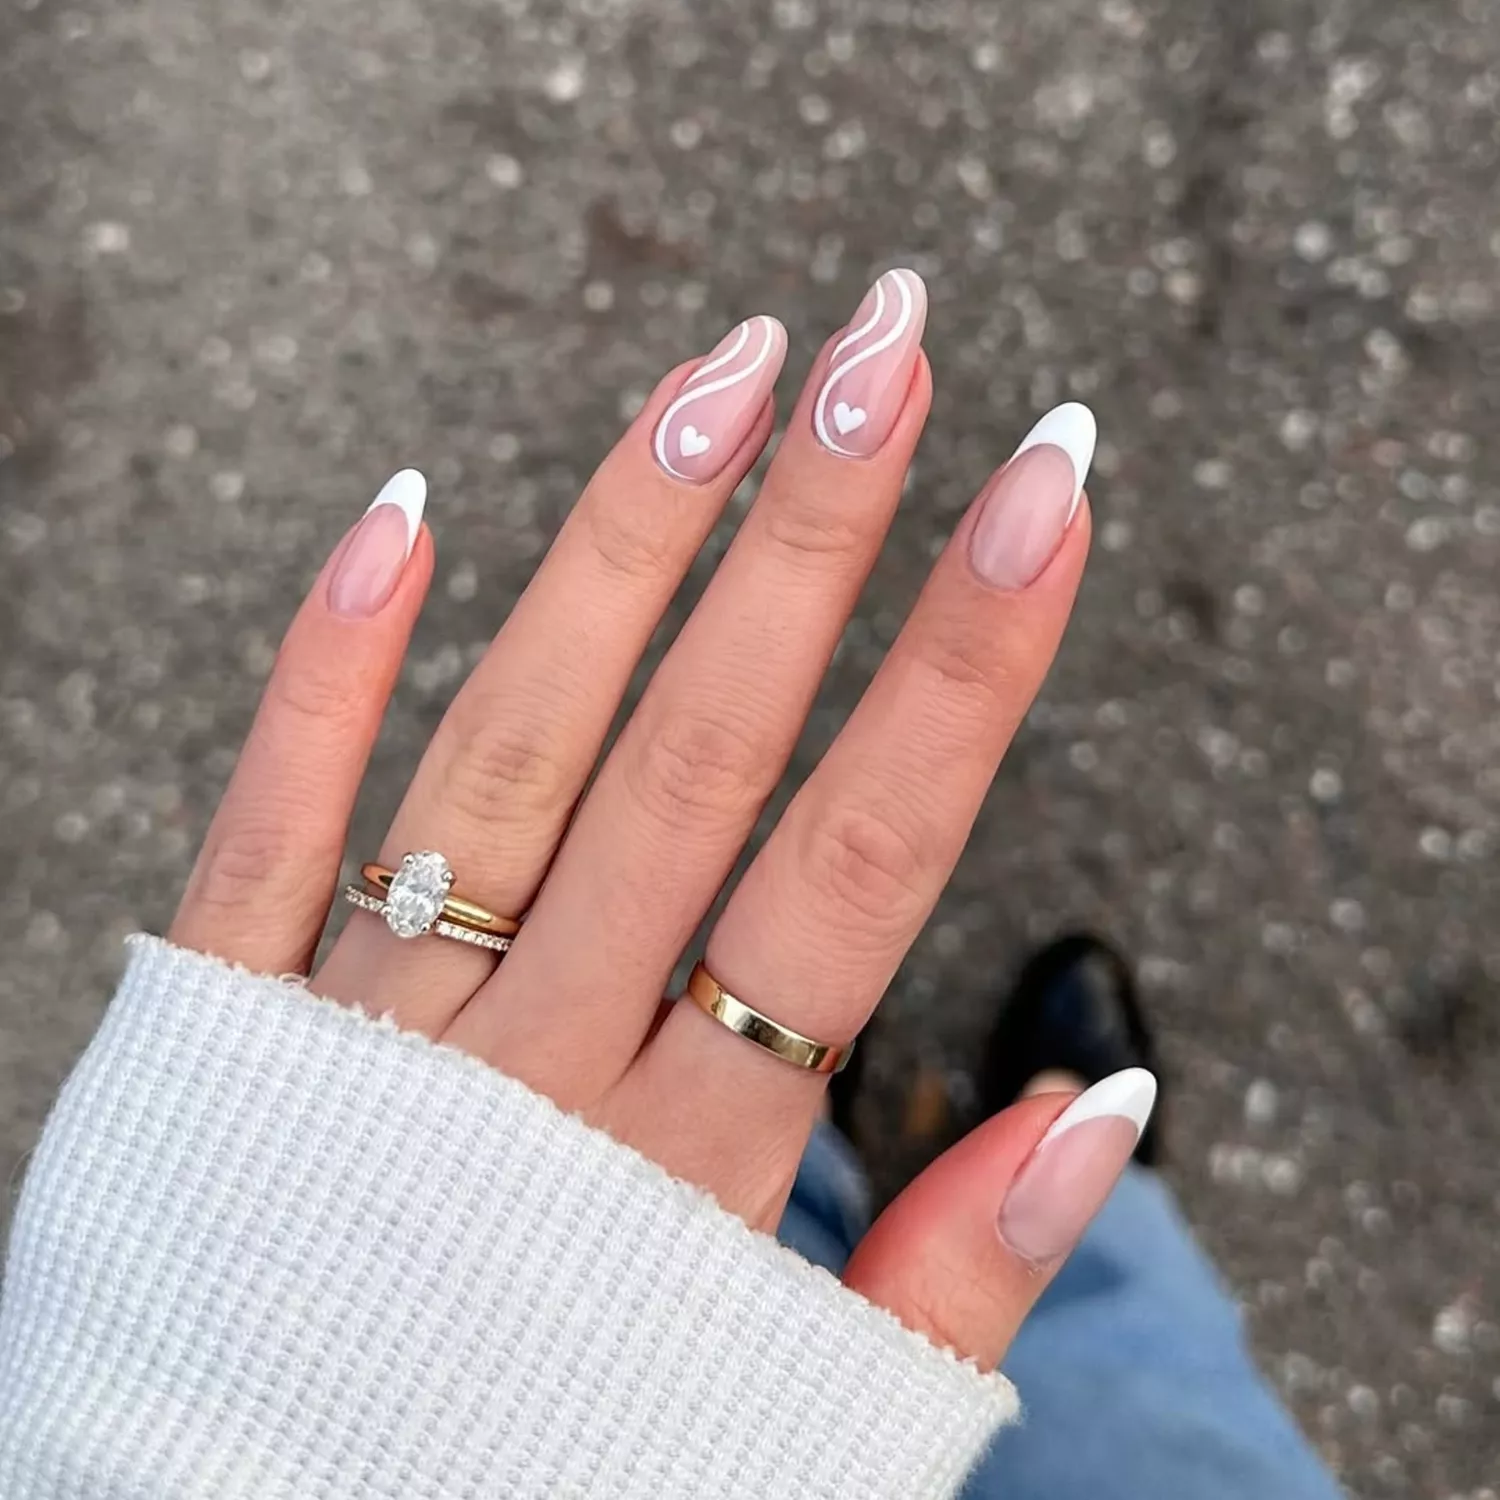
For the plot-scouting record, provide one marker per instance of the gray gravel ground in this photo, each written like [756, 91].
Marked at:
[255, 256]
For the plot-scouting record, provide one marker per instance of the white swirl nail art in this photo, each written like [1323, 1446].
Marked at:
[835, 417]
[678, 441]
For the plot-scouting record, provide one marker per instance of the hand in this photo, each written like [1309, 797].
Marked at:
[614, 885]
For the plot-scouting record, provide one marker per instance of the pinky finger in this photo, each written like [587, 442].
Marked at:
[260, 892]
[965, 1251]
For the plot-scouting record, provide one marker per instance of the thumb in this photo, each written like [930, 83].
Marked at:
[964, 1252]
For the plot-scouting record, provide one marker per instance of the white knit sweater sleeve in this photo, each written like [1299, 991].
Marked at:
[269, 1247]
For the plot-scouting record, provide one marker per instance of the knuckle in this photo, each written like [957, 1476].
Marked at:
[505, 767]
[810, 531]
[925, 1307]
[696, 763]
[955, 1304]
[627, 549]
[964, 662]
[864, 860]
[313, 693]
[270, 859]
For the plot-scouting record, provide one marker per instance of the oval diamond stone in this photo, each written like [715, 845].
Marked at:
[417, 892]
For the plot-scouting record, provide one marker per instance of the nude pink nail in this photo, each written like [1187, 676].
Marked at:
[870, 368]
[373, 558]
[703, 428]
[1075, 1166]
[1025, 512]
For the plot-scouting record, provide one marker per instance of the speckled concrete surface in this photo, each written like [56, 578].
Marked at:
[253, 257]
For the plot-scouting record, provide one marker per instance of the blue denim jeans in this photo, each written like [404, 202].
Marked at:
[1133, 1369]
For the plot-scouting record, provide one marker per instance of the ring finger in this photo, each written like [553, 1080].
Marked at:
[829, 907]
[497, 784]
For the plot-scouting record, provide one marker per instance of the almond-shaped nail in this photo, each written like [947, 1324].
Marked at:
[1025, 512]
[703, 428]
[869, 371]
[1064, 1182]
[372, 560]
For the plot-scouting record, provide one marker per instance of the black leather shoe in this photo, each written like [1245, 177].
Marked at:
[1074, 1007]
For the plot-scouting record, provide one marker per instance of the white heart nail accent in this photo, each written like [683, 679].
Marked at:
[692, 442]
[849, 418]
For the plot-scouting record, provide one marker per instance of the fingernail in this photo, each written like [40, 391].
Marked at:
[713, 414]
[370, 566]
[869, 371]
[1025, 511]
[1075, 1166]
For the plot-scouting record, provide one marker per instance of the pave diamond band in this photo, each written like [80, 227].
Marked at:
[417, 898]
[441, 927]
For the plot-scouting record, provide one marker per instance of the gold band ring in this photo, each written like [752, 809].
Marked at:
[455, 909]
[790, 1046]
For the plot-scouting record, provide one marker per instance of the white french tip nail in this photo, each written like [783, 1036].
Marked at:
[1128, 1095]
[1072, 428]
[407, 489]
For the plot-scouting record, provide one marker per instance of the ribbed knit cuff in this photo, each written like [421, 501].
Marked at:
[269, 1247]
